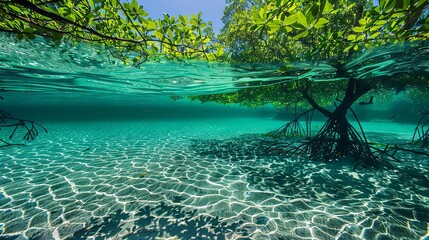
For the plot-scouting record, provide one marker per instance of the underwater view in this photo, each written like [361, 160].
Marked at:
[297, 120]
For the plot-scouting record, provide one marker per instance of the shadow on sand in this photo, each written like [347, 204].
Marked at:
[159, 222]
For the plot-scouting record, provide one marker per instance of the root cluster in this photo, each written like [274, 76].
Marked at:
[30, 128]
[336, 140]
[294, 128]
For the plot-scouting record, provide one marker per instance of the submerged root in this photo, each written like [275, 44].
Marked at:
[291, 129]
[338, 139]
[294, 128]
[29, 128]
[421, 132]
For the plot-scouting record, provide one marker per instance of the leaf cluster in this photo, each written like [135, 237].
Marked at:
[123, 28]
[290, 30]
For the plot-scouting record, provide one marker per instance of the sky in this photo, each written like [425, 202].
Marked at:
[212, 9]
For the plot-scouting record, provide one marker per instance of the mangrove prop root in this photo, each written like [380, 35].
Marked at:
[421, 132]
[294, 128]
[30, 128]
[336, 139]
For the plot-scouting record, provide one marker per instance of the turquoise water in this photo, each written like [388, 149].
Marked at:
[121, 160]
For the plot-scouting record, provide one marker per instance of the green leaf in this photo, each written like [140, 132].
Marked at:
[72, 17]
[301, 35]
[362, 22]
[405, 4]
[348, 48]
[302, 19]
[262, 13]
[314, 10]
[358, 29]
[142, 13]
[327, 8]
[15, 8]
[256, 17]
[351, 37]
[398, 15]
[375, 28]
[381, 22]
[151, 25]
[321, 22]
[274, 27]
[293, 7]
[290, 20]
[9, 23]
[182, 19]
[254, 28]
[135, 4]
[421, 2]
[309, 17]
[374, 35]
[69, 4]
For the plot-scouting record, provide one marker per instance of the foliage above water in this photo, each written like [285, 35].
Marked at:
[289, 30]
[123, 28]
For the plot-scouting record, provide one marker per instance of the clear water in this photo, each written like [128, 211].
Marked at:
[122, 160]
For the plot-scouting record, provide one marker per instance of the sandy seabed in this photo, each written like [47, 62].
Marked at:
[208, 179]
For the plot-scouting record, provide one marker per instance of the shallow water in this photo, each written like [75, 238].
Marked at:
[121, 160]
[199, 179]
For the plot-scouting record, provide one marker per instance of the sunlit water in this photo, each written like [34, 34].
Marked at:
[122, 160]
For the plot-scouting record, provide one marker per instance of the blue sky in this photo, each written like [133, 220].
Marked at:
[212, 9]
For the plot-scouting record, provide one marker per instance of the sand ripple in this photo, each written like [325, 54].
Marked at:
[151, 181]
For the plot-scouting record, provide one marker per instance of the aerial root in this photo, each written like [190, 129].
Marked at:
[30, 128]
[421, 132]
[294, 128]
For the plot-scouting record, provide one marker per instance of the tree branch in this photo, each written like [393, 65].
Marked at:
[55, 17]
[314, 104]
[44, 27]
